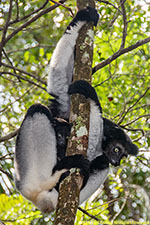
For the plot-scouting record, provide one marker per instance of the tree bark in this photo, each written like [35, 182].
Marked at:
[68, 200]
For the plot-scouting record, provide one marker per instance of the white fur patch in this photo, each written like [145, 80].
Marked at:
[61, 68]
[36, 157]
[95, 132]
[94, 182]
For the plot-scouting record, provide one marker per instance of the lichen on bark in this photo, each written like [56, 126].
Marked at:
[80, 109]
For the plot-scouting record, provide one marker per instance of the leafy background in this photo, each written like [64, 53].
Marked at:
[122, 86]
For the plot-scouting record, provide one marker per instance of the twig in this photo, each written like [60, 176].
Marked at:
[128, 110]
[108, 3]
[141, 107]
[4, 156]
[9, 136]
[114, 19]
[27, 16]
[45, 11]
[17, 99]
[8, 60]
[23, 71]
[133, 121]
[103, 81]
[31, 47]
[122, 207]
[143, 162]
[2, 43]
[125, 25]
[6, 184]
[5, 172]
[119, 53]
[59, 3]
[23, 78]
[88, 214]
[132, 129]
[17, 7]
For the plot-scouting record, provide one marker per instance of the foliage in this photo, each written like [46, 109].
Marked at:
[122, 85]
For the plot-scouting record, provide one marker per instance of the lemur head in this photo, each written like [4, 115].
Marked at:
[62, 130]
[116, 143]
[46, 201]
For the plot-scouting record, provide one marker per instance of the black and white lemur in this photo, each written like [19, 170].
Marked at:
[41, 142]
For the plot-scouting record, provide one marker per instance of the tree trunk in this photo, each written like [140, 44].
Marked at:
[68, 200]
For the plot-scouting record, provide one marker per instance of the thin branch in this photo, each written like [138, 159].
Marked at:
[59, 3]
[143, 150]
[23, 78]
[5, 172]
[2, 43]
[88, 214]
[117, 14]
[31, 47]
[17, 14]
[103, 81]
[132, 129]
[124, 25]
[23, 71]
[4, 156]
[137, 139]
[147, 165]
[108, 3]
[27, 16]
[33, 19]
[6, 184]
[128, 110]
[9, 136]
[133, 121]
[141, 107]
[122, 207]
[114, 19]
[119, 53]
[8, 59]
[17, 99]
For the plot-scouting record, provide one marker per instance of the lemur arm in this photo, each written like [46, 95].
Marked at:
[62, 63]
[96, 121]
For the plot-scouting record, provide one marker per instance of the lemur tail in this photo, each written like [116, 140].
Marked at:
[84, 88]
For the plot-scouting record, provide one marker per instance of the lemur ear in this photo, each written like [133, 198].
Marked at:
[134, 150]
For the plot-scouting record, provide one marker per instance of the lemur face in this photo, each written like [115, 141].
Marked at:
[62, 130]
[115, 151]
[116, 143]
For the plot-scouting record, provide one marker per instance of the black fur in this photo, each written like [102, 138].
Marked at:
[54, 106]
[112, 132]
[84, 88]
[115, 142]
[74, 161]
[39, 108]
[62, 129]
[99, 163]
[88, 14]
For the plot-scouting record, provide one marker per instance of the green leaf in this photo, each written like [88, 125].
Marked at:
[26, 56]
[41, 52]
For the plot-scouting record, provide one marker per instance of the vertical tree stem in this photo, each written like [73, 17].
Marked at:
[68, 200]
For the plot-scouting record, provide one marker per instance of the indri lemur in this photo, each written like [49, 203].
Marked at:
[41, 141]
[104, 136]
[42, 134]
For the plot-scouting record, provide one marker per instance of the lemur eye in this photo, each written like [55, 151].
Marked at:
[59, 135]
[116, 150]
